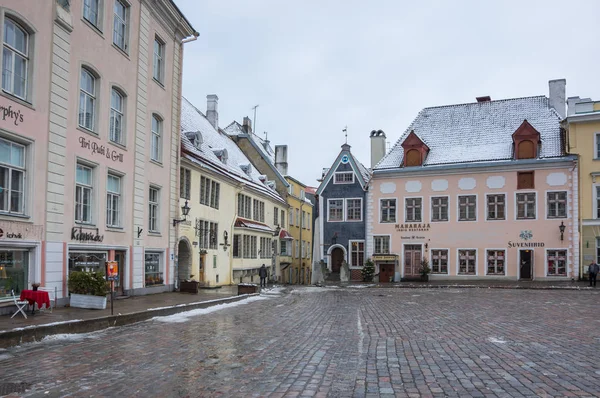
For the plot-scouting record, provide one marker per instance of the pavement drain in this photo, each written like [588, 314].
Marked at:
[9, 388]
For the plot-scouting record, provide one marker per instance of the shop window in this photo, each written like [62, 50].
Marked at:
[14, 272]
[496, 259]
[557, 262]
[413, 210]
[557, 204]
[357, 253]
[87, 261]
[439, 261]
[467, 262]
[439, 208]
[153, 269]
[496, 207]
[526, 206]
[12, 177]
[525, 180]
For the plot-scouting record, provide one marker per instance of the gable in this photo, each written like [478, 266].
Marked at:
[345, 163]
[526, 140]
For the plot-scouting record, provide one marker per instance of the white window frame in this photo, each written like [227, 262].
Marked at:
[431, 211]
[124, 23]
[566, 192]
[505, 250]
[458, 207]
[388, 236]
[346, 210]
[487, 218]
[156, 138]
[458, 261]
[17, 53]
[110, 211]
[448, 265]
[16, 168]
[329, 209]
[596, 202]
[567, 264]
[99, 5]
[406, 199]
[350, 251]
[158, 65]
[83, 188]
[185, 183]
[161, 265]
[117, 114]
[516, 207]
[94, 99]
[156, 206]
[596, 143]
[381, 220]
[335, 177]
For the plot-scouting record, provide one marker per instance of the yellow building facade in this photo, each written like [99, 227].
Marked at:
[583, 139]
[300, 228]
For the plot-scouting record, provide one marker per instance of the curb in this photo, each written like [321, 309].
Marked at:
[426, 286]
[30, 334]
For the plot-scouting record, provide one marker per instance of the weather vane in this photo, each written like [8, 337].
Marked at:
[345, 130]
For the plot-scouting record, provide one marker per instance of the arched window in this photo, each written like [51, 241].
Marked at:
[413, 158]
[117, 103]
[15, 59]
[526, 150]
[156, 142]
[87, 99]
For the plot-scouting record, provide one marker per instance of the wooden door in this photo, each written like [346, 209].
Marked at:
[412, 260]
[526, 259]
[202, 268]
[337, 256]
[386, 271]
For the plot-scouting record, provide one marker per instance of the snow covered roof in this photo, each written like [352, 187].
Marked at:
[480, 131]
[212, 144]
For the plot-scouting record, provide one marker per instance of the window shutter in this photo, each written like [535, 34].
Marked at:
[413, 158]
[526, 150]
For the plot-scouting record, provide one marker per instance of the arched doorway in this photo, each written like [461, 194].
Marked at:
[337, 257]
[184, 259]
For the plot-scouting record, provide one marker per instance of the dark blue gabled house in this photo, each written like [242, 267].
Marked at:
[342, 214]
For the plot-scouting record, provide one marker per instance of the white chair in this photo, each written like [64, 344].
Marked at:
[53, 293]
[20, 305]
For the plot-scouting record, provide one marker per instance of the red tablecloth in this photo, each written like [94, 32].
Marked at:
[36, 296]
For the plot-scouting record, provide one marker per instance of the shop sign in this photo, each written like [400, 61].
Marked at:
[17, 230]
[100, 150]
[14, 115]
[413, 227]
[525, 236]
[384, 258]
[412, 237]
[78, 234]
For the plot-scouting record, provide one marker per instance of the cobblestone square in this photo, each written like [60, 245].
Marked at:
[334, 342]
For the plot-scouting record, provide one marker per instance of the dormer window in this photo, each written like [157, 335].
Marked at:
[343, 178]
[246, 168]
[221, 154]
[526, 141]
[195, 138]
[415, 150]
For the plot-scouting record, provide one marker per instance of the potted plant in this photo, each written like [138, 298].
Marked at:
[425, 270]
[88, 289]
[368, 271]
[35, 285]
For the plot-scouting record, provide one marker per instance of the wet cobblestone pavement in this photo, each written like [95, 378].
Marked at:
[326, 342]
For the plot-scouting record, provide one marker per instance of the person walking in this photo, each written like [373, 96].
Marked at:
[262, 272]
[593, 273]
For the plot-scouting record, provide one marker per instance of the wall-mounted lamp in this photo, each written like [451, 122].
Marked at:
[185, 209]
[334, 238]
[426, 245]
[225, 244]
[561, 227]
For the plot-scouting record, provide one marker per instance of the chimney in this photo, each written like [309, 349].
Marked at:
[377, 146]
[281, 163]
[247, 125]
[486, 98]
[212, 111]
[557, 96]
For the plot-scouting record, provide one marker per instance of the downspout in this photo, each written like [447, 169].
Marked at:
[300, 270]
[237, 192]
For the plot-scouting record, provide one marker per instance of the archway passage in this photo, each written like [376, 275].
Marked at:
[184, 258]
[337, 257]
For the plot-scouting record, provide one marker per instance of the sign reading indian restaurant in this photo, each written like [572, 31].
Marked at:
[413, 227]
[100, 150]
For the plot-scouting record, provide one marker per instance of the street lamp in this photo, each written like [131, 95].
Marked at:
[185, 209]
[561, 227]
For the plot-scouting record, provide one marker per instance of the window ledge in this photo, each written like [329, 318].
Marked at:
[115, 229]
[156, 162]
[16, 99]
[90, 132]
[120, 146]
[122, 51]
[160, 84]
[84, 225]
[12, 217]
[154, 233]
[93, 27]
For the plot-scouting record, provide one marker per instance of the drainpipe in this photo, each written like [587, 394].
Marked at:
[237, 191]
[301, 245]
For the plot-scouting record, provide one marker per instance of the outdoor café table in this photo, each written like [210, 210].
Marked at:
[36, 296]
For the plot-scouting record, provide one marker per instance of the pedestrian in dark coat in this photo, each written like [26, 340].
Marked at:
[262, 272]
[593, 273]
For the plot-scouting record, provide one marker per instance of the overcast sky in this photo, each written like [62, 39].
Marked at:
[316, 66]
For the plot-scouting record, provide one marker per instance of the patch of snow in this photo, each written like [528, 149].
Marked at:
[360, 286]
[195, 303]
[70, 337]
[184, 316]
[48, 324]
[496, 340]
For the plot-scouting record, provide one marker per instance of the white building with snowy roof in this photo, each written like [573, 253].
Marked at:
[479, 190]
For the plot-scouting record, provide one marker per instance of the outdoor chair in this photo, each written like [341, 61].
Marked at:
[53, 293]
[20, 305]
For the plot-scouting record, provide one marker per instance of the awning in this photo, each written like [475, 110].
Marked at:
[285, 235]
[251, 224]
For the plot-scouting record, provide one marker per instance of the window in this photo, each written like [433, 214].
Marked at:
[91, 11]
[303, 223]
[597, 149]
[113, 201]
[303, 251]
[382, 244]
[12, 177]
[495, 262]
[467, 262]
[343, 178]
[439, 208]
[282, 218]
[557, 204]
[83, 194]
[276, 216]
[525, 180]
[153, 207]
[413, 158]
[185, 180]
[496, 207]
[298, 218]
[285, 248]
[353, 209]
[120, 25]
[153, 268]
[291, 215]
[557, 262]
[387, 210]
[467, 208]
[336, 210]
[87, 100]
[210, 192]
[15, 59]
[116, 117]
[357, 253]
[413, 210]
[207, 233]
[526, 150]
[159, 62]
[237, 246]
[258, 210]
[16, 264]
[265, 247]
[439, 261]
[525, 206]
[156, 143]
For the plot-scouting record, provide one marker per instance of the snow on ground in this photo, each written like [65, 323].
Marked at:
[185, 316]
[496, 340]
[312, 289]
[360, 286]
[48, 324]
[275, 290]
[73, 336]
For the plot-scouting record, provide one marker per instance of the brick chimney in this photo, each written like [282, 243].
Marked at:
[377, 146]
[247, 125]
[212, 111]
[557, 96]
[281, 163]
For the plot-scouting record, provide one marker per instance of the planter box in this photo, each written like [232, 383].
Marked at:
[189, 287]
[247, 288]
[424, 278]
[88, 301]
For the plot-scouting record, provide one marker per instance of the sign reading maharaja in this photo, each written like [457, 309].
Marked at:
[413, 227]
[526, 236]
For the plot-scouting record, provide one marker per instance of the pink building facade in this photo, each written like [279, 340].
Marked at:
[481, 190]
[93, 93]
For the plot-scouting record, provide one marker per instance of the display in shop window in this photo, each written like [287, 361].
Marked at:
[14, 271]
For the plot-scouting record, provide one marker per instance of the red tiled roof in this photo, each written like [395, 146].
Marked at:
[245, 223]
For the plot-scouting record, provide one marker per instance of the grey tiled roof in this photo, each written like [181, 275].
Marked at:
[192, 120]
[480, 131]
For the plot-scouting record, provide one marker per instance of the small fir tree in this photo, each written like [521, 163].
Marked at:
[368, 271]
